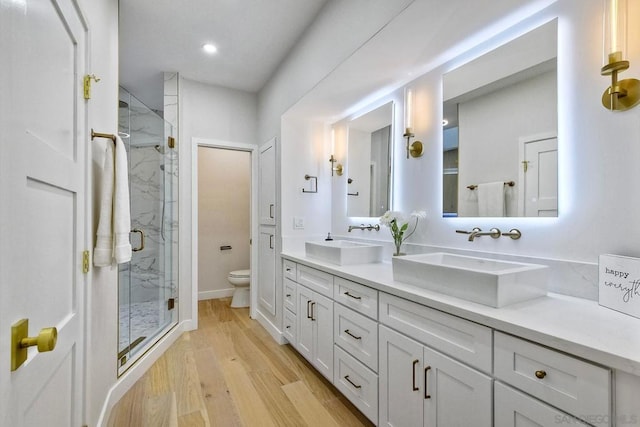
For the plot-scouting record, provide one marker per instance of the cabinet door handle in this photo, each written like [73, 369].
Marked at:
[426, 395]
[288, 269]
[346, 377]
[348, 332]
[271, 206]
[313, 305]
[352, 296]
[270, 241]
[309, 309]
[288, 295]
[415, 362]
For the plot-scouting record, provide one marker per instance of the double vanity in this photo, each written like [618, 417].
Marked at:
[441, 339]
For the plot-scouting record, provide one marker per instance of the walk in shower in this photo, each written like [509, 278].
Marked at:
[147, 286]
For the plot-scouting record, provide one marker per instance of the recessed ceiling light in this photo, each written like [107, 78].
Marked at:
[209, 48]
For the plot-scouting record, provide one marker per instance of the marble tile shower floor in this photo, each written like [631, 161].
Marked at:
[139, 319]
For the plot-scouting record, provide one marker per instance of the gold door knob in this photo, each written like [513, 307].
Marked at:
[20, 341]
[541, 374]
[46, 340]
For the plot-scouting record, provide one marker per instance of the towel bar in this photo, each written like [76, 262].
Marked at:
[102, 135]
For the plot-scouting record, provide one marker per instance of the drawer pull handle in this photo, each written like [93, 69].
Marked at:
[541, 374]
[288, 326]
[288, 269]
[346, 377]
[288, 295]
[426, 395]
[348, 332]
[308, 309]
[352, 296]
[415, 362]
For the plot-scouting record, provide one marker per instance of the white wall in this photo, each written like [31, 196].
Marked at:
[102, 293]
[209, 112]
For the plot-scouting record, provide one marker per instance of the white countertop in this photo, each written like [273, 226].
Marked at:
[577, 326]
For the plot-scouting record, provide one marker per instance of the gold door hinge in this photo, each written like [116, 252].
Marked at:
[525, 165]
[87, 84]
[85, 262]
[171, 142]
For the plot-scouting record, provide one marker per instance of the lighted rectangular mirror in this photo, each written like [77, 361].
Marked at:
[500, 143]
[370, 138]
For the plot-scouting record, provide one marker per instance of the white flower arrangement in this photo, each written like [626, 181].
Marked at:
[398, 225]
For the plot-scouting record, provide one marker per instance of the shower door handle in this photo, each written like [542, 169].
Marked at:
[136, 230]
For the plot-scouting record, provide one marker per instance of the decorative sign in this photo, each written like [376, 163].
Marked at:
[619, 283]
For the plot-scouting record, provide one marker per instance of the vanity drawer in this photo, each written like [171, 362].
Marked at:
[461, 339]
[357, 383]
[315, 280]
[289, 269]
[289, 327]
[290, 289]
[356, 296]
[570, 384]
[357, 334]
[515, 409]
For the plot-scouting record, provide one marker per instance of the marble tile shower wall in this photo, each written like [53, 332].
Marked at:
[152, 170]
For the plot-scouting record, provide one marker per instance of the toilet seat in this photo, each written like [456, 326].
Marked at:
[240, 274]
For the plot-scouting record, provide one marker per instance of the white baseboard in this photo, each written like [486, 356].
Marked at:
[275, 333]
[128, 379]
[219, 293]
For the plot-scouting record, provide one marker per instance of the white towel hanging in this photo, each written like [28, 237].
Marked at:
[114, 223]
[491, 199]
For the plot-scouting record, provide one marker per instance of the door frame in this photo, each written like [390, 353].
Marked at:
[253, 253]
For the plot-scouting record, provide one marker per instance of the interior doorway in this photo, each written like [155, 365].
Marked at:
[224, 183]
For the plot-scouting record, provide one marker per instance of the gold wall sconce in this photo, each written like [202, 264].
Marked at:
[622, 94]
[415, 149]
[337, 168]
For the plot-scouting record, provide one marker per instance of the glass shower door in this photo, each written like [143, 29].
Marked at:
[148, 284]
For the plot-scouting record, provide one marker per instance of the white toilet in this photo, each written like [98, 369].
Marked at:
[241, 280]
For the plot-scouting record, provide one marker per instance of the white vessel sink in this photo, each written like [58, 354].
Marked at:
[486, 281]
[344, 252]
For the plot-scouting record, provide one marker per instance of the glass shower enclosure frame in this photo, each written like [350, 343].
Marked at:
[148, 284]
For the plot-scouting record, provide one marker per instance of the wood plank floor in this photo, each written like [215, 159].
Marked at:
[230, 372]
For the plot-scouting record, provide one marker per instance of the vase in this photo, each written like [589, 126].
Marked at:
[398, 247]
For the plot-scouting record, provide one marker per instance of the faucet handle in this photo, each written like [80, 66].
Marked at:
[514, 233]
[474, 230]
[495, 233]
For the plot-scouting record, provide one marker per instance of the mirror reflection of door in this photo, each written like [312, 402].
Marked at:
[369, 165]
[539, 175]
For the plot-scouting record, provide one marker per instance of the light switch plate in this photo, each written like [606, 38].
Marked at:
[298, 223]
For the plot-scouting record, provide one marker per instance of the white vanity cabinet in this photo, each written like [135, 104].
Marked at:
[434, 367]
[314, 338]
[580, 388]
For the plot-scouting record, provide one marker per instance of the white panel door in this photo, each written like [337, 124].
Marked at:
[43, 172]
[267, 269]
[322, 318]
[540, 172]
[455, 394]
[267, 195]
[400, 379]
[304, 339]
